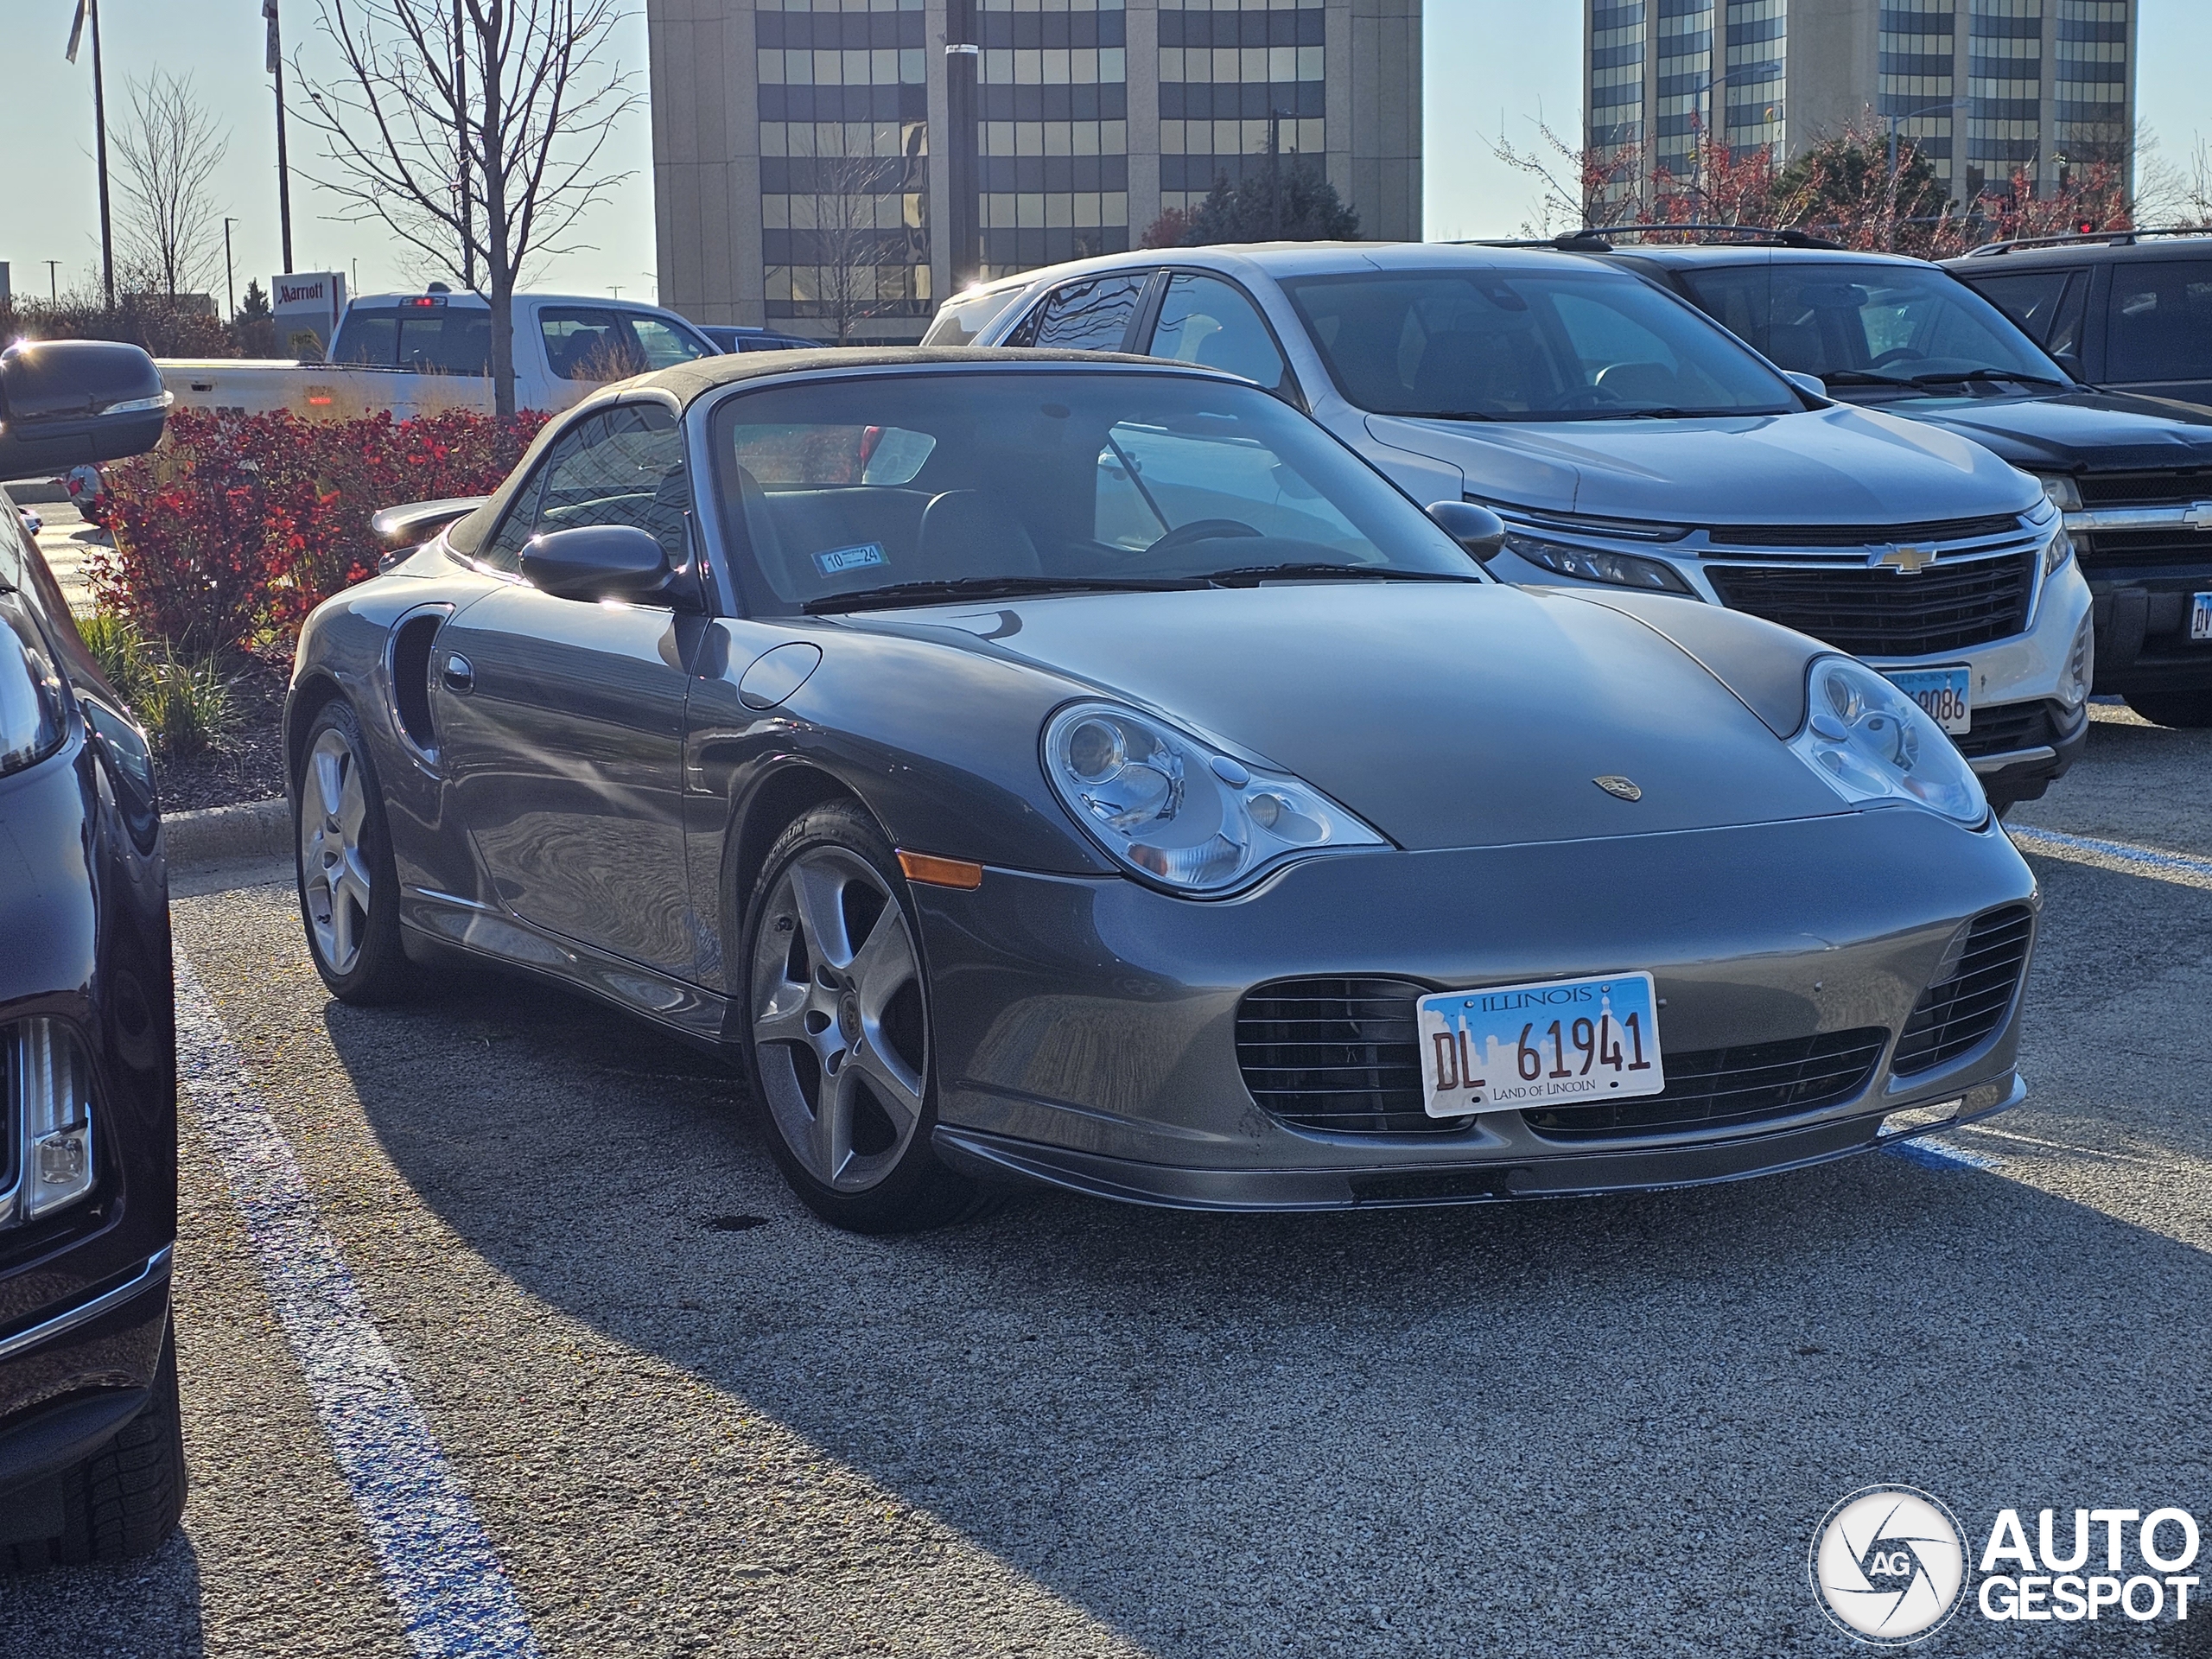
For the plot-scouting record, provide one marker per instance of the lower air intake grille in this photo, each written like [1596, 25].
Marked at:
[1958, 1013]
[1338, 1054]
[1881, 613]
[2006, 727]
[1715, 1088]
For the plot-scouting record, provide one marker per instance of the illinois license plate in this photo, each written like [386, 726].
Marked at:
[2200, 616]
[1550, 1043]
[1942, 692]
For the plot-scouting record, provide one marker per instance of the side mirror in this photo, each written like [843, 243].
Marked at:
[1811, 384]
[596, 562]
[1478, 530]
[74, 402]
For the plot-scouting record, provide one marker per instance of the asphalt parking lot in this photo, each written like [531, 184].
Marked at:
[665, 1411]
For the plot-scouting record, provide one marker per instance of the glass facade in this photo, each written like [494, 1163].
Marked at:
[1757, 76]
[2004, 86]
[1229, 70]
[1919, 53]
[1617, 46]
[844, 158]
[1053, 101]
[2091, 76]
[1685, 53]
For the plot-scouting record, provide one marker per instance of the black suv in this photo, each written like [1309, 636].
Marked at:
[91, 1459]
[2127, 310]
[2133, 474]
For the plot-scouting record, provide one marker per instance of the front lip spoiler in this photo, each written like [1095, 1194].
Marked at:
[155, 1270]
[1593, 1173]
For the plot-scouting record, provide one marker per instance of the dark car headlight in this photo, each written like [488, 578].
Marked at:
[1597, 564]
[32, 723]
[1180, 813]
[49, 1086]
[1872, 742]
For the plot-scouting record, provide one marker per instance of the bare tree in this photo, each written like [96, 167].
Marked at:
[861, 238]
[170, 149]
[473, 131]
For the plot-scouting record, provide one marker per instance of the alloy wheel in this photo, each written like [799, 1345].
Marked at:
[839, 1031]
[334, 869]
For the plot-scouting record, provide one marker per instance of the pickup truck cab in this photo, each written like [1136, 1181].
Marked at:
[424, 353]
[1628, 441]
[2133, 474]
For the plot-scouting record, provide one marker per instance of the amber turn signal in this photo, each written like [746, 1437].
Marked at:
[941, 872]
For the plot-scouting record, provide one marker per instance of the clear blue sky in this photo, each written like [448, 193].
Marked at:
[1492, 66]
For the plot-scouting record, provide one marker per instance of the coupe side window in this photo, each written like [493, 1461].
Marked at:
[1205, 319]
[624, 465]
[1093, 315]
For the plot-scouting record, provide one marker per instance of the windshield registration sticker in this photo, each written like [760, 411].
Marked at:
[1548, 1043]
[839, 560]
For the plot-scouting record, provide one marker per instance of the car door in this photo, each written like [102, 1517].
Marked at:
[562, 719]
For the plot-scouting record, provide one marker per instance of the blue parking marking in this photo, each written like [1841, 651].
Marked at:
[453, 1595]
[1936, 1154]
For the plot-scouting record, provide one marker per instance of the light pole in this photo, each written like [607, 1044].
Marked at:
[230, 282]
[1892, 193]
[54, 280]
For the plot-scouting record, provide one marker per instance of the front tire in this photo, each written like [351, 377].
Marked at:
[2189, 710]
[127, 1497]
[348, 884]
[837, 1044]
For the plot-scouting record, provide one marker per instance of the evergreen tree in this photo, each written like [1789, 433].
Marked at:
[1245, 212]
[255, 307]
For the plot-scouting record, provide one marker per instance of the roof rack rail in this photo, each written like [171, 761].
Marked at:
[1590, 236]
[2110, 238]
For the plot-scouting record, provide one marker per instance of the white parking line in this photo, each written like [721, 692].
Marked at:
[453, 1595]
[2177, 868]
[1940, 1154]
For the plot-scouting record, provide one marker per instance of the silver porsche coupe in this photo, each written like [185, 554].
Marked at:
[1086, 770]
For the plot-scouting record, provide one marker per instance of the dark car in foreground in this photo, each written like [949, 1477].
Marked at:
[1082, 770]
[2133, 474]
[91, 1459]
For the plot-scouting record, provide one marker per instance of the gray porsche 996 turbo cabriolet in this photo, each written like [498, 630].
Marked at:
[1086, 770]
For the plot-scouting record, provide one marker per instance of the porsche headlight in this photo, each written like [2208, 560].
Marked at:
[1872, 742]
[1180, 813]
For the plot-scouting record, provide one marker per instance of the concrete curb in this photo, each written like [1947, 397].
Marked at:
[216, 835]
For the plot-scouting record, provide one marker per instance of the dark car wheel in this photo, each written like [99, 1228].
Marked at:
[2188, 709]
[838, 1030]
[349, 889]
[125, 1498]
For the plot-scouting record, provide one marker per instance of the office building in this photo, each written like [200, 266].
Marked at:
[1985, 87]
[803, 150]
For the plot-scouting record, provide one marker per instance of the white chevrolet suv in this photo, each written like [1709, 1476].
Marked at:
[1626, 439]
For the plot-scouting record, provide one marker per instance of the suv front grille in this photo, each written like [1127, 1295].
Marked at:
[2005, 526]
[1882, 612]
[2006, 727]
[1720, 1088]
[1959, 1013]
[2163, 489]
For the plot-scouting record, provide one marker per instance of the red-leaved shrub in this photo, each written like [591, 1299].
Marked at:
[238, 526]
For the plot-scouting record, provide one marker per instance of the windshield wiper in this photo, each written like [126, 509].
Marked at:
[1330, 572]
[1866, 377]
[1448, 414]
[910, 593]
[1954, 376]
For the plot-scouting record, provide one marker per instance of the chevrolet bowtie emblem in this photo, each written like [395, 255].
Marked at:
[2199, 517]
[1906, 561]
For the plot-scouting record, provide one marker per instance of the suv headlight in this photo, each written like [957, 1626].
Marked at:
[1596, 563]
[2063, 492]
[50, 1086]
[1178, 813]
[32, 724]
[1872, 742]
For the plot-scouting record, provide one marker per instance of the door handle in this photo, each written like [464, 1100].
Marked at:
[459, 674]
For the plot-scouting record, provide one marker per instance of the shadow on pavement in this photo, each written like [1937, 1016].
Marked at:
[1447, 1429]
[145, 1607]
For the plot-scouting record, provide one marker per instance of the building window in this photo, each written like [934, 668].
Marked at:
[1227, 78]
[1052, 97]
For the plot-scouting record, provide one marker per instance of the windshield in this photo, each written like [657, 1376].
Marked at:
[1860, 324]
[1017, 479]
[1555, 346]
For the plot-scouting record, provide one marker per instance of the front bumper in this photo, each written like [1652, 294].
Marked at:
[89, 1365]
[1085, 1028]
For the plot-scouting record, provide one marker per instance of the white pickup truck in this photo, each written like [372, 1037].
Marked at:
[423, 353]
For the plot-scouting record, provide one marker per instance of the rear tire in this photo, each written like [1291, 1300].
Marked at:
[837, 1033]
[348, 884]
[127, 1499]
[2187, 710]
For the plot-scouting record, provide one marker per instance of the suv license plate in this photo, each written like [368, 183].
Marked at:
[2200, 616]
[1547, 1042]
[1942, 692]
